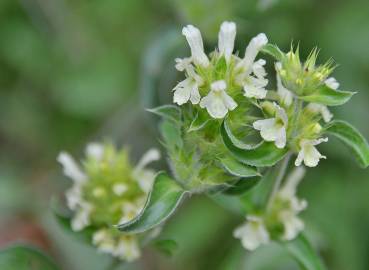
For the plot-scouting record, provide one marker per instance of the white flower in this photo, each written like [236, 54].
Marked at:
[308, 153]
[255, 45]
[81, 218]
[194, 39]
[145, 177]
[95, 150]
[218, 102]
[226, 37]
[253, 233]
[274, 129]
[119, 189]
[74, 197]
[70, 168]
[332, 83]
[254, 86]
[183, 64]
[285, 95]
[186, 90]
[322, 109]
[293, 225]
[127, 249]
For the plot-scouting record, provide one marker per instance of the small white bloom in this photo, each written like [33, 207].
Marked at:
[322, 109]
[254, 87]
[70, 168]
[285, 95]
[332, 83]
[186, 90]
[293, 225]
[218, 102]
[95, 150]
[73, 196]
[226, 37]
[183, 64]
[255, 45]
[294, 178]
[253, 233]
[119, 189]
[129, 211]
[81, 218]
[127, 249]
[308, 153]
[194, 39]
[274, 129]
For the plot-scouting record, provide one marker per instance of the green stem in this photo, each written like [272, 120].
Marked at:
[277, 183]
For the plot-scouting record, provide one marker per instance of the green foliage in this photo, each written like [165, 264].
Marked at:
[328, 96]
[21, 257]
[165, 197]
[302, 251]
[263, 155]
[352, 138]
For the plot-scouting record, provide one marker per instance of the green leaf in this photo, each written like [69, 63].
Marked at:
[301, 250]
[162, 201]
[170, 112]
[236, 168]
[171, 134]
[21, 257]
[242, 185]
[352, 138]
[198, 123]
[166, 246]
[274, 51]
[264, 154]
[328, 96]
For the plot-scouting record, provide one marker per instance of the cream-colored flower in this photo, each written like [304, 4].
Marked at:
[332, 83]
[255, 45]
[194, 39]
[284, 94]
[322, 109]
[70, 168]
[274, 129]
[218, 102]
[254, 86]
[308, 152]
[226, 38]
[253, 233]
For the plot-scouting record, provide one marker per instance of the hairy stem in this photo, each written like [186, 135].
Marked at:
[277, 183]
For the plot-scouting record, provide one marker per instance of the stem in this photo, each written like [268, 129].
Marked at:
[113, 264]
[279, 178]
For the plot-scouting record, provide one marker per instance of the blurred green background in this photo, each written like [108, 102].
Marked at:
[74, 71]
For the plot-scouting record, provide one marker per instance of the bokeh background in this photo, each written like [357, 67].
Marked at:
[75, 71]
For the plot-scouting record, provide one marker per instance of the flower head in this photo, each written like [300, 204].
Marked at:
[308, 152]
[108, 191]
[274, 129]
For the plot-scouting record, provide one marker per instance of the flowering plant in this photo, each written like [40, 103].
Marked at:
[229, 134]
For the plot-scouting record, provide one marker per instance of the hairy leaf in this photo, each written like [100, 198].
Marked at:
[274, 51]
[170, 112]
[352, 138]
[162, 201]
[328, 96]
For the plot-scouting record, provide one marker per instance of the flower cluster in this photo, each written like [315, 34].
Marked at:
[279, 221]
[215, 83]
[107, 192]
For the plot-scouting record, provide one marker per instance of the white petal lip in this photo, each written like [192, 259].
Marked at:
[194, 39]
[218, 102]
[182, 63]
[322, 109]
[70, 168]
[226, 38]
[252, 234]
[186, 90]
[285, 95]
[308, 153]
[332, 83]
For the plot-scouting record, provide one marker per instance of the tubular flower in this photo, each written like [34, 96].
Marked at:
[106, 192]
[274, 129]
[308, 152]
